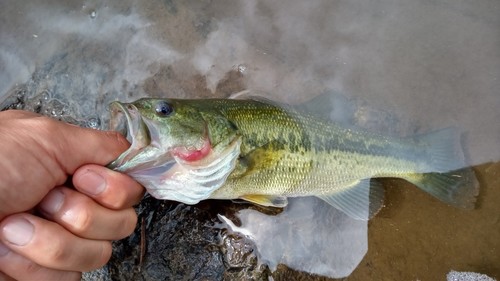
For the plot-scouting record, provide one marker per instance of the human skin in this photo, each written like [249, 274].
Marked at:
[51, 229]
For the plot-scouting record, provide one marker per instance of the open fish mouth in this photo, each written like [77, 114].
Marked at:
[121, 120]
[126, 119]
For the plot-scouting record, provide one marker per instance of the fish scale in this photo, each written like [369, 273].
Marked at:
[350, 157]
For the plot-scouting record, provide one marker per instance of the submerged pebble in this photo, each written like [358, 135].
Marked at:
[242, 68]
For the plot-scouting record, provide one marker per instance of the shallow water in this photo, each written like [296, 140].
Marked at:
[402, 68]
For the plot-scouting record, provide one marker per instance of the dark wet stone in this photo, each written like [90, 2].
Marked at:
[15, 99]
[179, 244]
[174, 241]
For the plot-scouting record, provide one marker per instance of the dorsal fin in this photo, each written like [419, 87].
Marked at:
[240, 95]
[254, 95]
[329, 106]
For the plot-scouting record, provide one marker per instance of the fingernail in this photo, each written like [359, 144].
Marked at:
[92, 183]
[3, 250]
[52, 202]
[18, 231]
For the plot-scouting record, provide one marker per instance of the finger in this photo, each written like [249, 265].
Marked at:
[111, 189]
[84, 217]
[86, 146]
[17, 114]
[17, 267]
[50, 245]
[5, 277]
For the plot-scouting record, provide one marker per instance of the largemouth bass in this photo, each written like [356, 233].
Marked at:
[264, 152]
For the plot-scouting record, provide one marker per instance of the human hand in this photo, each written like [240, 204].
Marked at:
[49, 231]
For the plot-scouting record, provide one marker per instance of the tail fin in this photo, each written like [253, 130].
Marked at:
[446, 176]
[442, 150]
[458, 188]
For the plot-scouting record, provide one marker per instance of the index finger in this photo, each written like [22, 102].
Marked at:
[109, 188]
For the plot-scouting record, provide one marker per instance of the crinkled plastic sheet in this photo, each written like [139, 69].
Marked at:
[309, 236]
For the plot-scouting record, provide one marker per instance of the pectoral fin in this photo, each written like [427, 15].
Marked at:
[257, 164]
[361, 200]
[260, 159]
[266, 200]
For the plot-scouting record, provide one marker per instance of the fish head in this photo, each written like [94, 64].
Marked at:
[180, 150]
[158, 130]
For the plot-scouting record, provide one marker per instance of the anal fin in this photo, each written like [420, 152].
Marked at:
[362, 200]
[266, 200]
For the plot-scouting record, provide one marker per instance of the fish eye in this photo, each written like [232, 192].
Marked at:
[163, 109]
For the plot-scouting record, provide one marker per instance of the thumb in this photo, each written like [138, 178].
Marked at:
[81, 146]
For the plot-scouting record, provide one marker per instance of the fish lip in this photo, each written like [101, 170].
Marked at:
[121, 120]
[139, 132]
[126, 120]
